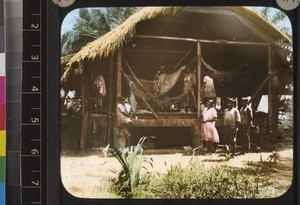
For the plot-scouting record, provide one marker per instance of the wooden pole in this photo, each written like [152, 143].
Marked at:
[119, 75]
[83, 136]
[83, 94]
[272, 99]
[203, 41]
[199, 63]
[110, 98]
[258, 90]
[196, 129]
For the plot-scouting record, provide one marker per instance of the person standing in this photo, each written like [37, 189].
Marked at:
[160, 80]
[231, 120]
[208, 89]
[246, 122]
[209, 133]
[121, 132]
[189, 81]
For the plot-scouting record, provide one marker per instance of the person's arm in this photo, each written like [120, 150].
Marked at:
[250, 113]
[214, 115]
[238, 118]
[211, 120]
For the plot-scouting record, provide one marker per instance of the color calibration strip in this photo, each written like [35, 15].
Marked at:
[2, 107]
[13, 53]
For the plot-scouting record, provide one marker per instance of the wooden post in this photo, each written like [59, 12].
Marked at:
[199, 63]
[118, 141]
[272, 100]
[110, 98]
[83, 136]
[196, 134]
[119, 75]
[83, 94]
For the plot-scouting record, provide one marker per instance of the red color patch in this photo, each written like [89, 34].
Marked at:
[2, 117]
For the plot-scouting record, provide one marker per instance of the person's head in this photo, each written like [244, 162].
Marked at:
[121, 99]
[244, 101]
[209, 103]
[230, 103]
[162, 69]
[188, 69]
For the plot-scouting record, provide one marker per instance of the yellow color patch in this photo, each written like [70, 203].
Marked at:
[2, 143]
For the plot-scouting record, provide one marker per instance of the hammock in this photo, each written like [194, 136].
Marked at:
[221, 75]
[157, 88]
[136, 92]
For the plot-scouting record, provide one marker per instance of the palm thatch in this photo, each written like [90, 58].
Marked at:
[110, 42]
[260, 23]
[64, 60]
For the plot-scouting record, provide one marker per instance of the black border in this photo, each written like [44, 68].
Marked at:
[55, 192]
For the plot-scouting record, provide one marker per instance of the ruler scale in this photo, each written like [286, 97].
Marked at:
[31, 155]
[13, 34]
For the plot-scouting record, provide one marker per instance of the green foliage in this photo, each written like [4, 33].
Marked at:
[91, 24]
[196, 181]
[129, 176]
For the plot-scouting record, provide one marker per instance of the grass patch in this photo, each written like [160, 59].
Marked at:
[199, 182]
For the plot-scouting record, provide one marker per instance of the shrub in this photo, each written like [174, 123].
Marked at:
[200, 182]
[129, 176]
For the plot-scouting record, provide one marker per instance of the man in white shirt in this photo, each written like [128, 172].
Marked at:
[246, 122]
[231, 120]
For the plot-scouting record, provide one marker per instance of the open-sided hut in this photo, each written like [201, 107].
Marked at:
[233, 45]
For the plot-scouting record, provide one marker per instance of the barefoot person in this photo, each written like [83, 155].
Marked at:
[122, 134]
[231, 120]
[244, 127]
[209, 133]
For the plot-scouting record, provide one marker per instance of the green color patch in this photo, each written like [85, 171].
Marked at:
[2, 169]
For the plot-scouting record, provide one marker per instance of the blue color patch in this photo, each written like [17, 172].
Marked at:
[2, 194]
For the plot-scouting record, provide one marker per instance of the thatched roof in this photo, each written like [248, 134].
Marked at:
[110, 42]
[114, 39]
[65, 59]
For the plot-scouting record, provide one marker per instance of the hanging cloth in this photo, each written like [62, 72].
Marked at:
[151, 88]
[136, 92]
[208, 89]
[100, 83]
[156, 88]
[133, 100]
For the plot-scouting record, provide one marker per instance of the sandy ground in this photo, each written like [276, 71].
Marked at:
[86, 176]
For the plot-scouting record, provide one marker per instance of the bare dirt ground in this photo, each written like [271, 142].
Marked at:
[86, 176]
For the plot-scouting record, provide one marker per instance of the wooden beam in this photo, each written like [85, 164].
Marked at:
[204, 41]
[258, 90]
[272, 99]
[171, 122]
[154, 50]
[165, 123]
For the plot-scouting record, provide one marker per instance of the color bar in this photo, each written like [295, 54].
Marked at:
[2, 107]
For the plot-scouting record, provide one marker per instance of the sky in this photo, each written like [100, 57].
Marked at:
[69, 20]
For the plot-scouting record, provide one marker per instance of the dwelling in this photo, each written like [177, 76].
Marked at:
[233, 45]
